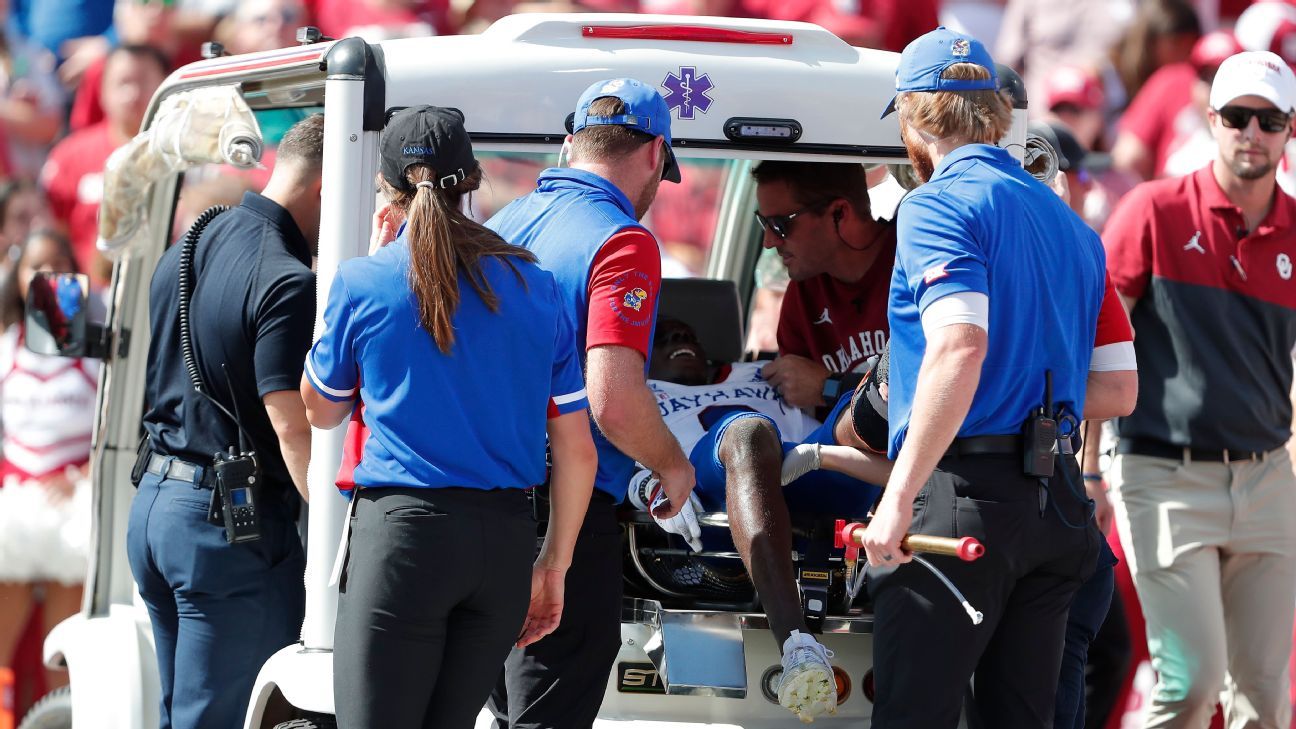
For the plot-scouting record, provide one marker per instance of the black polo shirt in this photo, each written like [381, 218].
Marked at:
[251, 316]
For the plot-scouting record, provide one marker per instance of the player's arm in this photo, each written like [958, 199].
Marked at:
[625, 280]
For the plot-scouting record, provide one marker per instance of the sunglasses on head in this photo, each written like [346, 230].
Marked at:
[1239, 117]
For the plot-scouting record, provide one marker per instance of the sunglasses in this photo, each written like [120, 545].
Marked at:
[1239, 117]
[780, 225]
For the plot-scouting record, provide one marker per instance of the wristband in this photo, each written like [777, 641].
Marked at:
[1092, 477]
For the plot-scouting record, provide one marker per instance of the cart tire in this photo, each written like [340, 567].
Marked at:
[53, 711]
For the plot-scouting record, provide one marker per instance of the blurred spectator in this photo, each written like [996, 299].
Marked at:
[376, 20]
[1074, 95]
[1038, 35]
[22, 209]
[139, 23]
[719, 8]
[978, 18]
[31, 101]
[901, 20]
[1269, 25]
[261, 25]
[73, 175]
[1163, 33]
[52, 23]
[476, 15]
[856, 30]
[46, 415]
[1170, 110]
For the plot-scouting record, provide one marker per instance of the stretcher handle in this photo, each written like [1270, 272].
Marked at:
[967, 549]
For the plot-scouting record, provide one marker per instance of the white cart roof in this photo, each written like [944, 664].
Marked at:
[518, 81]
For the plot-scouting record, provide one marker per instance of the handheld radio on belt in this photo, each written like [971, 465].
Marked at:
[1040, 435]
[238, 474]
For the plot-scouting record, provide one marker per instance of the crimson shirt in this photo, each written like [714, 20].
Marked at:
[73, 182]
[1151, 116]
[836, 323]
[1216, 313]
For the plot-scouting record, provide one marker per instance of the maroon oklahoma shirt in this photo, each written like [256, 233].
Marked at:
[836, 323]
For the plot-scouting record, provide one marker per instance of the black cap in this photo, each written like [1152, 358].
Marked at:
[1070, 152]
[430, 135]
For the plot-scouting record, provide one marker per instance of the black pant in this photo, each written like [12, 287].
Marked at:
[1109, 659]
[436, 586]
[925, 647]
[559, 681]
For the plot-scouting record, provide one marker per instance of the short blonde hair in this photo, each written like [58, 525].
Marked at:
[981, 117]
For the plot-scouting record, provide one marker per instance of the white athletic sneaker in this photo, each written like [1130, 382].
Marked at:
[807, 687]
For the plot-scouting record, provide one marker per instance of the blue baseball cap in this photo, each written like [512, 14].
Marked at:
[926, 58]
[645, 110]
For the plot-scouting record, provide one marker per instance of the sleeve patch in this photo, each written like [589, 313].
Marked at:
[630, 298]
[935, 273]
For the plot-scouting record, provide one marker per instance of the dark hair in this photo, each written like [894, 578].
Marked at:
[145, 51]
[817, 184]
[443, 241]
[303, 144]
[9, 190]
[1134, 55]
[607, 141]
[12, 306]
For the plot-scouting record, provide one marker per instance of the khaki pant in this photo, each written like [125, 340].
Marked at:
[1211, 547]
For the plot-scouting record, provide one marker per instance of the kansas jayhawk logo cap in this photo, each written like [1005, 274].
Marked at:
[927, 57]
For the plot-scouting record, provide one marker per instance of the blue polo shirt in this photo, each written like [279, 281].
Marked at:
[474, 417]
[982, 224]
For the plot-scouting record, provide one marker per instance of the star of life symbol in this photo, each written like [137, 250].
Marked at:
[824, 318]
[1284, 266]
[687, 91]
[1194, 243]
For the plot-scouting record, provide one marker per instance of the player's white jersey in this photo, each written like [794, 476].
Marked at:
[47, 407]
[690, 411]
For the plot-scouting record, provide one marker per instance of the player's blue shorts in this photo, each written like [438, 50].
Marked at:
[818, 492]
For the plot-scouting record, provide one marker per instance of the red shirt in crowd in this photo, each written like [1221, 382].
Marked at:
[73, 181]
[1153, 115]
[836, 323]
[404, 19]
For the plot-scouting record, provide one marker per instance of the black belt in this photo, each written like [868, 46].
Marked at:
[174, 468]
[985, 445]
[1161, 449]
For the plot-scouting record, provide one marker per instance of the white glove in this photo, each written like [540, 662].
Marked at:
[799, 461]
[684, 523]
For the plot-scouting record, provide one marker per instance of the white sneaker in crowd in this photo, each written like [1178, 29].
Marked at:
[807, 687]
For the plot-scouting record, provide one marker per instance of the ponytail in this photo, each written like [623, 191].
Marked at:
[443, 241]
